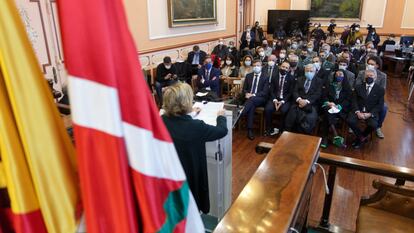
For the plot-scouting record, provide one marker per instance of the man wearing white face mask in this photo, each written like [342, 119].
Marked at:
[302, 116]
[255, 90]
[374, 63]
[166, 76]
[220, 50]
[271, 68]
[282, 56]
[260, 55]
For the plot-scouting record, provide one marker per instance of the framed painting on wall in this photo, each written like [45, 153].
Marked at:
[191, 12]
[338, 9]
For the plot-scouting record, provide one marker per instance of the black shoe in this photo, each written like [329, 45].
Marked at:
[324, 143]
[250, 134]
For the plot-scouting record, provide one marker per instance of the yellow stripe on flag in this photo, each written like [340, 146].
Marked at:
[36, 152]
[2, 176]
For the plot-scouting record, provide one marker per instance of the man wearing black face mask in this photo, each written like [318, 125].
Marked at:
[281, 90]
[366, 105]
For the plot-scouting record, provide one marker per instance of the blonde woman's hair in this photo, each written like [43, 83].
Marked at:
[178, 99]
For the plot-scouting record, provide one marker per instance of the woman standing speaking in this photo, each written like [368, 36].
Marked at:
[189, 137]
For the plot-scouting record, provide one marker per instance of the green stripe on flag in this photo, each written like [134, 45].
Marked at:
[176, 207]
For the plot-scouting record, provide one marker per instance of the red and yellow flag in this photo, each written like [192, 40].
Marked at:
[37, 156]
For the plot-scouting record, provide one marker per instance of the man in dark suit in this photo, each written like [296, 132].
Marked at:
[220, 50]
[247, 38]
[209, 77]
[295, 70]
[281, 89]
[255, 90]
[166, 76]
[196, 58]
[374, 63]
[261, 55]
[303, 116]
[367, 103]
[271, 68]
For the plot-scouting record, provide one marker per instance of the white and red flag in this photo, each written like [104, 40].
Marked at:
[131, 177]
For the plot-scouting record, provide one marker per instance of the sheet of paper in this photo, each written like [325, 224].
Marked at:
[208, 112]
[200, 94]
[333, 110]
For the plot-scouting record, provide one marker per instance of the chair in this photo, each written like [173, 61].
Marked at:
[390, 209]
[410, 84]
[234, 86]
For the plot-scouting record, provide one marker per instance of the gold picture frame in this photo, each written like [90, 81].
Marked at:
[182, 13]
[336, 13]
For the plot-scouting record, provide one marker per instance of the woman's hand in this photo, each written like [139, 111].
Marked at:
[221, 112]
[196, 110]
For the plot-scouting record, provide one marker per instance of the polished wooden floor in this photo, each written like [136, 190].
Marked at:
[397, 148]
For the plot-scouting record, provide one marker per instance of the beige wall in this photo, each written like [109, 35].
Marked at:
[137, 14]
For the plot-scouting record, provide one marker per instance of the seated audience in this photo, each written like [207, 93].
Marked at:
[246, 67]
[280, 93]
[351, 62]
[282, 57]
[336, 47]
[302, 116]
[255, 90]
[329, 56]
[310, 49]
[196, 58]
[232, 50]
[268, 50]
[374, 63]
[209, 77]
[220, 50]
[166, 76]
[326, 65]
[343, 65]
[321, 73]
[295, 70]
[367, 103]
[271, 67]
[183, 70]
[189, 137]
[229, 68]
[338, 97]
[260, 55]
[247, 38]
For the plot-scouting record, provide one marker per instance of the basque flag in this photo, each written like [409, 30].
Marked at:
[131, 177]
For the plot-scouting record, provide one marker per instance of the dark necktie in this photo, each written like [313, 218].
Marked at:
[207, 75]
[368, 91]
[307, 85]
[254, 84]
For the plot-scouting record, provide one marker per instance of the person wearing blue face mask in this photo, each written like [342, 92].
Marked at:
[302, 116]
[255, 91]
[336, 105]
[209, 77]
[367, 103]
